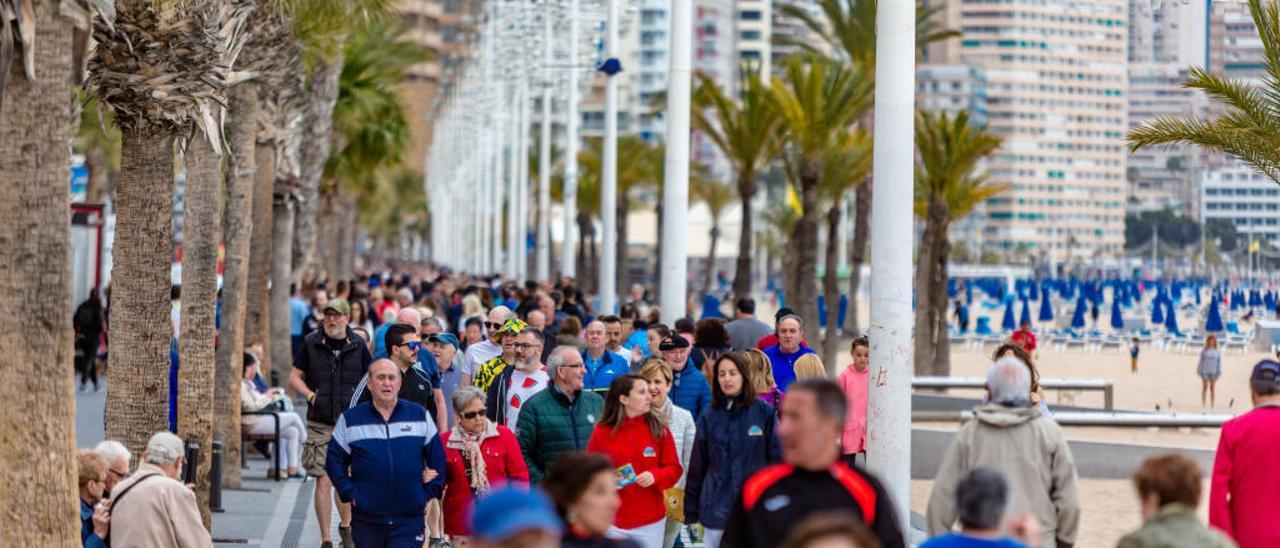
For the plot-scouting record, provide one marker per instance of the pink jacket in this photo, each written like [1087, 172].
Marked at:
[1246, 479]
[854, 385]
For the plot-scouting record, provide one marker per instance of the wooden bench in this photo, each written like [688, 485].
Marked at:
[246, 438]
[1098, 385]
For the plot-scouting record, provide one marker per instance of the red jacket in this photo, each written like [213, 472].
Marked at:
[503, 463]
[1246, 479]
[633, 444]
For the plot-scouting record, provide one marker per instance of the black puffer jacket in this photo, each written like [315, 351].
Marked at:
[332, 372]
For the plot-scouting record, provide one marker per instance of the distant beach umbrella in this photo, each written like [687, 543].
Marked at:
[1025, 316]
[1157, 311]
[1117, 318]
[1007, 322]
[1077, 318]
[1213, 323]
[1171, 321]
[1046, 308]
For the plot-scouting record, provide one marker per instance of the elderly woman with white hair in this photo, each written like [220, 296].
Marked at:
[480, 456]
[1014, 436]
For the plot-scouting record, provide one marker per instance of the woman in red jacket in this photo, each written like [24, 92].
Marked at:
[644, 452]
[479, 456]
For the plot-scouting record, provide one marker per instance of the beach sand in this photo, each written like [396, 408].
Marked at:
[1109, 509]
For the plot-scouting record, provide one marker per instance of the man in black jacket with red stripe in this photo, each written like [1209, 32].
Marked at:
[813, 481]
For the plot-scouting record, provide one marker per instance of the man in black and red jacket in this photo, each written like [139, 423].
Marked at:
[814, 479]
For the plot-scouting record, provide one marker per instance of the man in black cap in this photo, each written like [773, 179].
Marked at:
[772, 338]
[689, 389]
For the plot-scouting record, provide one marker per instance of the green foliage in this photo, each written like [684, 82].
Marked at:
[1224, 232]
[1249, 129]
[324, 26]
[1175, 230]
[948, 151]
[639, 167]
[96, 128]
[848, 29]
[748, 131]
[818, 99]
[716, 195]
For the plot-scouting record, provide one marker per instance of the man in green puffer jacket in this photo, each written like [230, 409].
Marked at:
[560, 419]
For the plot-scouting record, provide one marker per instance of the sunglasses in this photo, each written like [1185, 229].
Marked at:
[492, 325]
[473, 414]
[413, 345]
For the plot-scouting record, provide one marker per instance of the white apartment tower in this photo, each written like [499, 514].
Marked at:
[1056, 88]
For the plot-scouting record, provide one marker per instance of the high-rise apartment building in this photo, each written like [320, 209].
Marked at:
[443, 28]
[1165, 39]
[1056, 89]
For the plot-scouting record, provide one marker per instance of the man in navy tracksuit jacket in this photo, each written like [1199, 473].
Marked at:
[387, 444]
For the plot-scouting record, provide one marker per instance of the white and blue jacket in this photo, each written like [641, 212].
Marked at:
[386, 461]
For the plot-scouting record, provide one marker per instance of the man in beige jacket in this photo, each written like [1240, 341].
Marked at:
[152, 508]
[1014, 437]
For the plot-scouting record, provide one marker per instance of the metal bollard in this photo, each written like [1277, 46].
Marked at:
[190, 461]
[215, 477]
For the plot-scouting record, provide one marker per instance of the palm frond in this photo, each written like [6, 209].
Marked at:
[949, 151]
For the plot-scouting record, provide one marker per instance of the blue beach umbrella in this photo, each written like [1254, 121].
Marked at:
[1046, 308]
[1117, 318]
[1035, 291]
[1007, 322]
[1157, 311]
[1213, 323]
[1171, 321]
[1025, 316]
[1077, 319]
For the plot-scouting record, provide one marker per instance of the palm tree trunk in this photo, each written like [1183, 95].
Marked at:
[831, 289]
[924, 348]
[858, 253]
[349, 230]
[321, 98]
[327, 233]
[37, 462]
[141, 330]
[256, 313]
[620, 266]
[742, 276]
[708, 277]
[237, 231]
[95, 160]
[201, 233]
[803, 298]
[931, 336]
[281, 272]
[937, 301]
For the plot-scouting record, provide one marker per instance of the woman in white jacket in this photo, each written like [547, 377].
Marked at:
[292, 433]
[683, 428]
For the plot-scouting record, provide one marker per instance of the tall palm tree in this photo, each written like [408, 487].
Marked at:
[36, 337]
[818, 100]
[748, 131]
[717, 196]
[947, 188]
[1249, 127]
[641, 169]
[848, 32]
[846, 166]
[162, 68]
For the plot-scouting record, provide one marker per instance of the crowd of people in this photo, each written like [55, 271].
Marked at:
[445, 410]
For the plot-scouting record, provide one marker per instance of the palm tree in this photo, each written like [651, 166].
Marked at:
[717, 196]
[749, 134]
[846, 166]
[1249, 129]
[161, 68]
[38, 464]
[947, 188]
[641, 168]
[848, 28]
[818, 100]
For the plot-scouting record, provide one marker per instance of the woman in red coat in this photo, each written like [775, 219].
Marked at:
[479, 456]
[644, 452]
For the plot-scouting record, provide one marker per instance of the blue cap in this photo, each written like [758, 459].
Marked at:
[448, 338]
[1266, 371]
[505, 513]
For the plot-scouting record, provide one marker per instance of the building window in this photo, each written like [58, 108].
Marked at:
[749, 15]
[750, 35]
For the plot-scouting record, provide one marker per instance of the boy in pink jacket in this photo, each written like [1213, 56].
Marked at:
[1243, 499]
[853, 381]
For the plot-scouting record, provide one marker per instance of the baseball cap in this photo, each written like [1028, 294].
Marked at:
[1265, 371]
[338, 305]
[674, 342]
[164, 448]
[447, 338]
[505, 513]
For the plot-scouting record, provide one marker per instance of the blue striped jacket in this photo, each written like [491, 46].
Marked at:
[386, 459]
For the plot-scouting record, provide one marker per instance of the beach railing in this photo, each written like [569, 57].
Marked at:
[1105, 386]
[1081, 418]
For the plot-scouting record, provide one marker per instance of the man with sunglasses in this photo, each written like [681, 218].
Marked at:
[416, 384]
[516, 384]
[490, 347]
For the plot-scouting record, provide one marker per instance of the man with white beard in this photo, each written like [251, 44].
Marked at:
[326, 372]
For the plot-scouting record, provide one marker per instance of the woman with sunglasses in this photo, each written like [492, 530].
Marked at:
[480, 456]
[644, 453]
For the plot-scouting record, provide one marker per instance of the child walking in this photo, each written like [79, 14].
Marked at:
[1133, 356]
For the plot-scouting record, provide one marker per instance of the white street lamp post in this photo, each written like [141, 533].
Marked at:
[675, 200]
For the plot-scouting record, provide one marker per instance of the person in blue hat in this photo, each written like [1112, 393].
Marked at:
[515, 517]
